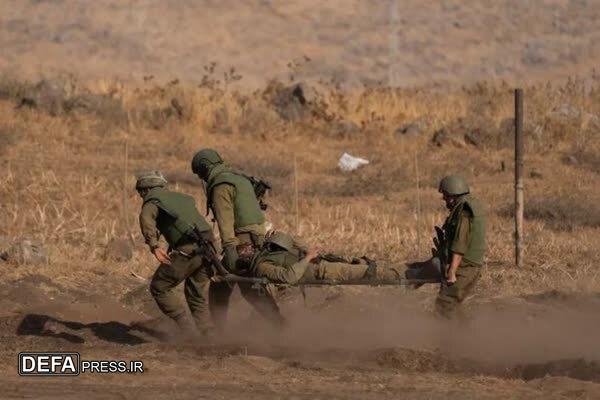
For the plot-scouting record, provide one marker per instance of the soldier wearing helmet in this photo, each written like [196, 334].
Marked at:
[462, 245]
[231, 198]
[173, 216]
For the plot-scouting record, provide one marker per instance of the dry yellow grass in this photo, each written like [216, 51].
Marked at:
[63, 177]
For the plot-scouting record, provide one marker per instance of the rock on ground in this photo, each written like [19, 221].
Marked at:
[23, 251]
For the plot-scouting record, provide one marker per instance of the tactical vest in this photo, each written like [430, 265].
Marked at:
[282, 258]
[246, 207]
[476, 249]
[177, 214]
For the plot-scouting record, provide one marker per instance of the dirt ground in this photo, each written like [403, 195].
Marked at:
[370, 343]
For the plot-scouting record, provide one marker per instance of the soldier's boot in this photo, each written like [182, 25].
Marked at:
[377, 273]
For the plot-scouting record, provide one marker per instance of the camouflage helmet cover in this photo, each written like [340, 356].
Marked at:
[454, 185]
[282, 240]
[203, 161]
[150, 179]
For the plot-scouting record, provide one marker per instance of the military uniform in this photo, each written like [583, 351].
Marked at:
[241, 221]
[173, 215]
[286, 263]
[236, 209]
[464, 233]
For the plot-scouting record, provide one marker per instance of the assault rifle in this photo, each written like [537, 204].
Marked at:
[208, 251]
[260, 189]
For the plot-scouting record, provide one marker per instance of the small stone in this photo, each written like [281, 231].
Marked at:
[304, 93]
[441, 137]
[5, 245]
[472, 138]
[292, 102]
[570, 160]
[535, 174]
[24, 251]
[118, 250]
[408, 130]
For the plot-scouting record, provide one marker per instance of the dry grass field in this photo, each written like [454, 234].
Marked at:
[69, 154]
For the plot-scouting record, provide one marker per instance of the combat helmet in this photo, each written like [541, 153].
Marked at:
[149, 180]
[454, 185]
[204, 161]
[282, 240]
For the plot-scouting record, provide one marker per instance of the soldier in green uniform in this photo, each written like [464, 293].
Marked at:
[463, 244]
[173, 216]
[284, 260]
[232, 200]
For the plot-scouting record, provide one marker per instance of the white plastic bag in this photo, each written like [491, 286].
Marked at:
[349, 163]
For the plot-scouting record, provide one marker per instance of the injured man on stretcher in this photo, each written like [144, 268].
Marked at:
[283, 260]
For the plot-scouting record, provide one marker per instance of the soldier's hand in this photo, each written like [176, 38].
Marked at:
[451, 279]
[162, 256]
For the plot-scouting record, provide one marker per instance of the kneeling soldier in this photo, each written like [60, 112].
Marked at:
[175, 217]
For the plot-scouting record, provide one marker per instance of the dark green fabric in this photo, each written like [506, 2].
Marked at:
[178, 214]
[195, 273]
[477, 242]
[281, 258]
[246, 207]
[450, 297]
[230, 258]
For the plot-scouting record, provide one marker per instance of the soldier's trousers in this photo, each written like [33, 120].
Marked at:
[450, 298]
[195, 272]
[343, 272]
[220, 292]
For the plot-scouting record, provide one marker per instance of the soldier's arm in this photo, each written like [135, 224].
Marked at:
[148, 226]
[459, 244]
[278, 274]
[223, 210]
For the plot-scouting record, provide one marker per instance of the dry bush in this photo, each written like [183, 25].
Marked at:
[563, 210]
